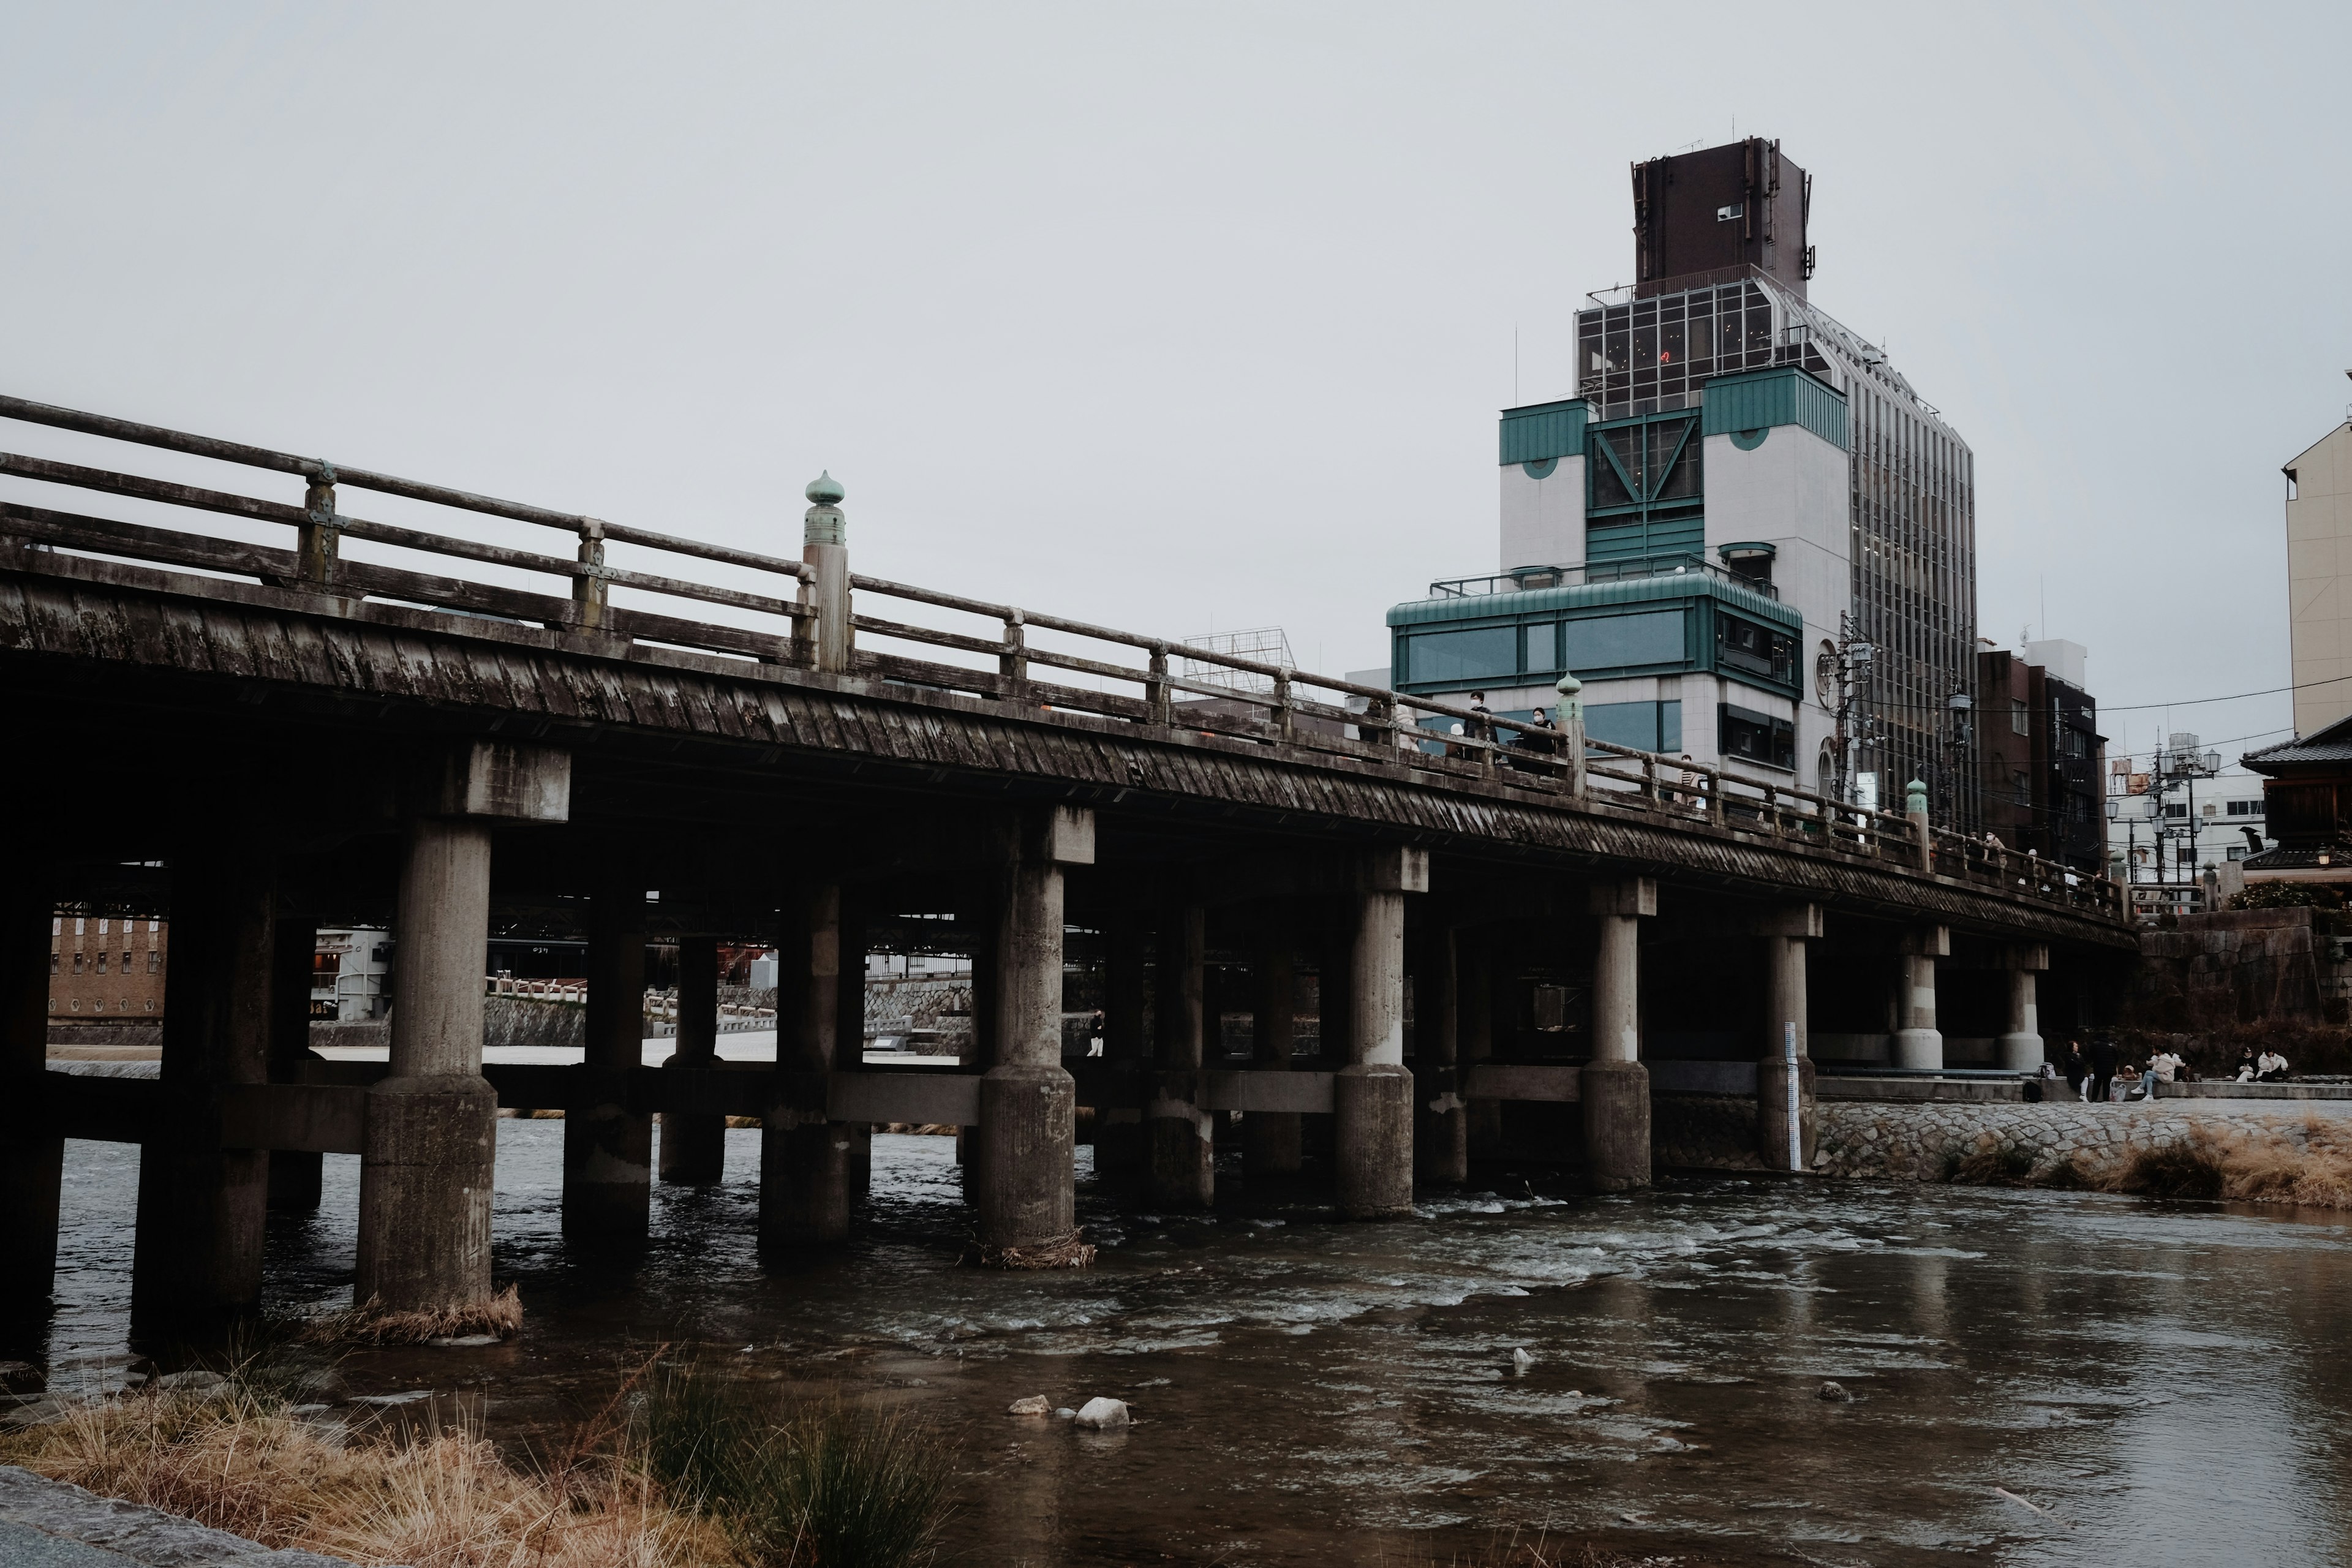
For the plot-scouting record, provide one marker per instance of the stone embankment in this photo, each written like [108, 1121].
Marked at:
[1928, 1142]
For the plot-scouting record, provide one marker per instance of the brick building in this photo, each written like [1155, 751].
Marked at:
[107, 969]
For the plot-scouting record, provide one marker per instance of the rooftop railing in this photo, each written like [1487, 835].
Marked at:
[1528, 579]
[609, 593]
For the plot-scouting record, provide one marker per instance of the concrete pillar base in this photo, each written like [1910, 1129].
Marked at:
[1272, 1143]
[1179, 1169]
[1615, 1097]
[425, 1160]
[1772, 1113]
[1919, 1048]
[693, 1148]
[607, 1173]
[1373, 1140]
[1441, 1128]
[861, 1159]
[2019, 1053]
[803, 1181]
[1028, 1183]
[297, 1181]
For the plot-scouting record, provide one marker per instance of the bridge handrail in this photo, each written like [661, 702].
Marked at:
[1384, 729]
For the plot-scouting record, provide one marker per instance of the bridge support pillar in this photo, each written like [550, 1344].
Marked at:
[1270, 1139]
[803, 1158]
[1784, 1076]
[1440, 1144]
[608, 1148]
[849, 1029]
[1373, 1095]
[1181, 1174]
[1918, 1042]
[1475, 971]
[296, 1175]
[1119, 1152]
[694, 1143]
[1614, 1086]
[1028, 1101]
[430, 1135]
[2020, 1047]
[32, 1162]
[202, 1207]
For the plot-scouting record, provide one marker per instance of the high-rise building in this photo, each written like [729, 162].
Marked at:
[2039, 745]
[1746, 533]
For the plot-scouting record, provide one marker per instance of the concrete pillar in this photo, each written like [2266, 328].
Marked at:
[1119, 1125]
[431, 1130]
[202, 1207]
[1918, 1042]
[2020, 1047]
[1270, 1139]
[1028, 1101]
[1614, 1086]
[32, 1160]
[1181, 1174]
[1474, 1029]
[1784, 1075]
[1440, 1144]
[608, 1148]
[1373, 1095]
[432, 1125]
[694, 1143]
[849, 1028]
[1335, 992]
[803, 1158]
[296, 1175]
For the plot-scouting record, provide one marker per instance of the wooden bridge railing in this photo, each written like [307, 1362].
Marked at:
[1105, 672]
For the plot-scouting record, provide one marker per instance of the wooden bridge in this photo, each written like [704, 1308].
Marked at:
[258, 715]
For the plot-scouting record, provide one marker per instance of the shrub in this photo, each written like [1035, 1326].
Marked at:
[2287, 896]
[2189, 1167]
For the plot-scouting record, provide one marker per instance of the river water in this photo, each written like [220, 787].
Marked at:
[2170, 1381]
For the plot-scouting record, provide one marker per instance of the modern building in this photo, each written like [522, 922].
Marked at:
[2039, 754]
[351, 975]
[1746, 533]
[2175, 814]
[107, 969]
[2319, 579]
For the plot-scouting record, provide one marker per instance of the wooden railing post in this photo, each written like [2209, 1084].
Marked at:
[825, 549]
[1571, 717]
[1284, 714]
[1649, 781]
[316, 546]
[1156, 694]
[1914, 812]
[591, 594]
[1712, 780]
[1012, 663]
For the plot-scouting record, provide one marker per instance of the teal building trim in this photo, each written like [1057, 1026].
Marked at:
[1672, 624]
[1544, 432]
[1742, 405]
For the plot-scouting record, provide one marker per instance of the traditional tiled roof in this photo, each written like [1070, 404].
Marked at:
[2332, 744]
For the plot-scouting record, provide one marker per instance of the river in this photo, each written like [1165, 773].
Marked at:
[2168, 1381]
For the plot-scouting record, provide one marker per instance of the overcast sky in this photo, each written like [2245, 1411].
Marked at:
[1197, 317]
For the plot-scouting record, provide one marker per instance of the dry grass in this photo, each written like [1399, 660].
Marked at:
[501, 1314]
[2249, 1165]
[237, 1459]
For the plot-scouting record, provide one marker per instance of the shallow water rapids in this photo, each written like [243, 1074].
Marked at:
[2170, 1381]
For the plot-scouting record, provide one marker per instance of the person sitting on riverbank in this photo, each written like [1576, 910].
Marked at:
[2247, 1068]
[2077, 1070]
[2270, 1068]
[2162, 1067]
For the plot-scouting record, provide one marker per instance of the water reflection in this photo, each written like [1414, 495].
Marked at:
[2168, 1381]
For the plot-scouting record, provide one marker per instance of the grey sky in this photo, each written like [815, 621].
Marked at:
[1191, 317]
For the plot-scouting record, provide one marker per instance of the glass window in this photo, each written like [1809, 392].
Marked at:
[1539, 646]
[1613, 642]
[2017, 718]
[1645, 349]
[1633, 724]
[1758, 737]
[1670, 725]
[1682, 483]
[1756, 649]
[1670, 344]
[1477, 652]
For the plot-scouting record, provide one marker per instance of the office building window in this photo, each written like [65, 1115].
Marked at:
[101, 962]
[2179, 809]
[2246, 808]
[155, 960]
[1756, 737]
[2017, 718]
[55, 960]
[1620, 642]
[1477, 653]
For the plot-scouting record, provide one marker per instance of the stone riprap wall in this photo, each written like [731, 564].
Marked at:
[2238, 966]
[45, 1521]
[1925, 1143]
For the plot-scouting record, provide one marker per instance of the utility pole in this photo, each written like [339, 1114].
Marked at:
[1845, 672]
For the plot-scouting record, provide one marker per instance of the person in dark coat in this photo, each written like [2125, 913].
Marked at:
[1537, 739]
[2102, 1069]
[2077, 1070]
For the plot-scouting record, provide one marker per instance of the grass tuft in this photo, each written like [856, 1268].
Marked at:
[369, 1324]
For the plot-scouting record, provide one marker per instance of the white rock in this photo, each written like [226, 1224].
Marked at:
[1521, 1359]
[462, 1341]
[1066, 1414]
[1101, 1414]
[1036, 1404]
